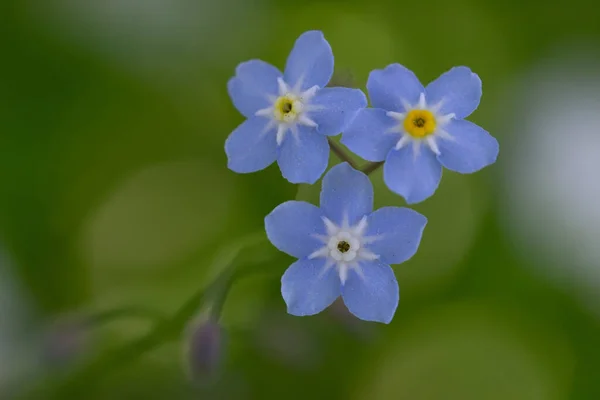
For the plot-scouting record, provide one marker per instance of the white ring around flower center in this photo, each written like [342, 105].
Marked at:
[289, 109]
[343, 237]
[354, 245]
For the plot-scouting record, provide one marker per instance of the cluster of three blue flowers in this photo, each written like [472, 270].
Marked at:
[344, 247]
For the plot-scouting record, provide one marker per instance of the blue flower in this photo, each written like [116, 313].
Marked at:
[344, 248]
[418, 130]
[290, 115]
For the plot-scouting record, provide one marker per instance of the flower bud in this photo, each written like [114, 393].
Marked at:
[205, 350]
[64, 341]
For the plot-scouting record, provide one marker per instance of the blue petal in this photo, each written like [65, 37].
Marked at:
[337, 107]
[458, 88]
[303, 160]
[373, 294]
[254, 81]
[368, 135]
[413, 177]
[291, 227]
[308, 288]
[346, 193]
[249, 148]
[311, 61]
[398, 231]
[470, 149]
[390, 86]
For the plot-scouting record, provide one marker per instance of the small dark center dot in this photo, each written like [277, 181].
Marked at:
[420, 122]
[286, 107]
[343, 246]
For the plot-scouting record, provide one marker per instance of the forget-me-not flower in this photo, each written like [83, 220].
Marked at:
[290, 115]
[417, 130]
[344, 248]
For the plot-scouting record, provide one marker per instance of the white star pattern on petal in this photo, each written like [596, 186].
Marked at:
[345, 247]
[290, 109]
[430, 140]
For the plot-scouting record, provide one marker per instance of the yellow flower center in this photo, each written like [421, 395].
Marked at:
[287, 108]
[419, 123]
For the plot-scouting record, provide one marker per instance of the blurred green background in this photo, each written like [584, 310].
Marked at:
[115, 193]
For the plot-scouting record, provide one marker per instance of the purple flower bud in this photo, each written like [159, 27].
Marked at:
[205, 351]
[64, 341]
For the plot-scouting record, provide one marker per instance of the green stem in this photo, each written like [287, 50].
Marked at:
[221, 289]
[220, 295]
[343, 156]
[107, 316]
[371, 167]
[340, 153]
[169, 329]
[77, 384]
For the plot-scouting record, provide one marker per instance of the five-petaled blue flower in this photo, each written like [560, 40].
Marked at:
[290, 115]
[407, 116]
[344, 248]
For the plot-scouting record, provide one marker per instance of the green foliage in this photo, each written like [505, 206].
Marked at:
[115, 193]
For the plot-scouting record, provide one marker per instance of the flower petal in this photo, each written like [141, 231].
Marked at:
[398, 231]
[346, 193]
[336, 107]
[369, 134]
[311, 61]
[414, 177]
[249, 148]
[459, 89]
[372, 294]
[470, 149]
[254, 81]
[303, 159]
[389, 87]
[308, 288]
[292, 227]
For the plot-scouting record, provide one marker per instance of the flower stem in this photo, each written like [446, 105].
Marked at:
[107, 316]
[219, 295]
[242, 258]
[371, 167]
[340, 153]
